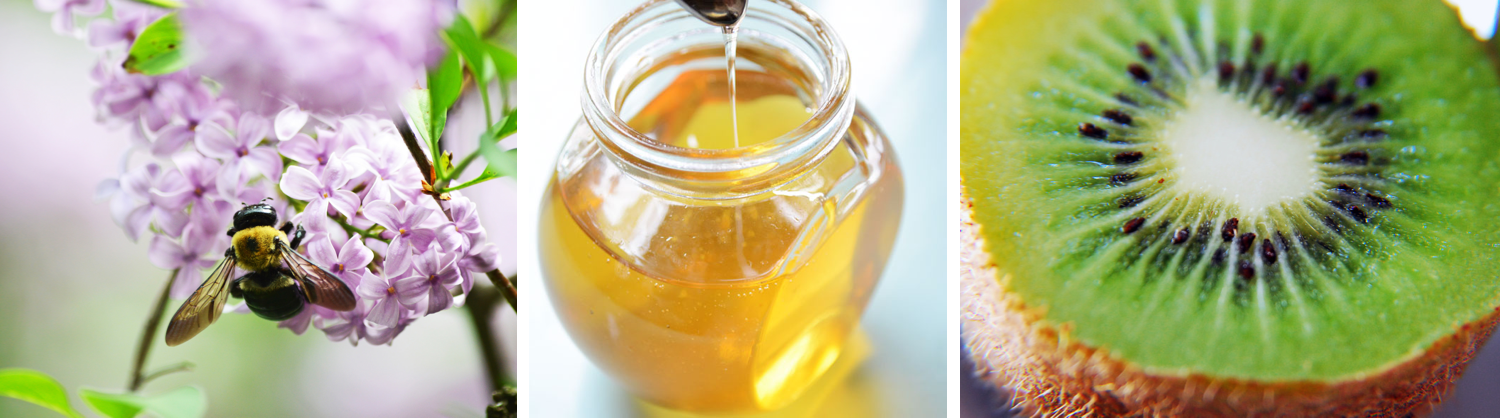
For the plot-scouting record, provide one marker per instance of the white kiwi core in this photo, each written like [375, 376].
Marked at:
[1224, 147]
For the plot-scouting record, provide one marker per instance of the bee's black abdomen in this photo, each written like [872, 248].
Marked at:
[271, 295]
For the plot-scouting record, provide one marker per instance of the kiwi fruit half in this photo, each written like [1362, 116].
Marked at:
[1228, 207]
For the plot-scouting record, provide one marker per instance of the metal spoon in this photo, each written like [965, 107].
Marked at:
[725, 13]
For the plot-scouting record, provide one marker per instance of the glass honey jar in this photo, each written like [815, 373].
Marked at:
[703, 267]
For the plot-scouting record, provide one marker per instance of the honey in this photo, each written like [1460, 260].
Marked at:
[712, 269]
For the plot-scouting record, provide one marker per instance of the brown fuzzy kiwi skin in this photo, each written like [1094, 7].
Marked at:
[1049, 375]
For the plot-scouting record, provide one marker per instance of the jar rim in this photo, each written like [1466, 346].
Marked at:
[722, 170]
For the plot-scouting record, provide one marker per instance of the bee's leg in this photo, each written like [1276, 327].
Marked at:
[296, 234]
[234, 288]
[229, 252]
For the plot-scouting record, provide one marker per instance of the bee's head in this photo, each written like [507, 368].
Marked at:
[259, 214]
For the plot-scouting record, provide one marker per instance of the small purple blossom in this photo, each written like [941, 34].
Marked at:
[428, 284]
[237, 145]
[404, 225]
[198, 107]
[194, 254]
[347, 261]
[195, 182]
[380, 291]
[321, 191]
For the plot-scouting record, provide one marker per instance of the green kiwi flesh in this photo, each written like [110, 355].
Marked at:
[1096, 218]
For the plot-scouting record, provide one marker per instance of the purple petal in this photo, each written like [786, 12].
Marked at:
[300, 184]
[420, 238]
[216, 141]
[321, 251]
[439, 299]
[251, 130]
[344, 201]
[355, 254]
[302, 149]
[416, 214]
[411, 290]
[298, 324]
[188, 279]
[385, 312]
[264, 161]
[166, 254]
[382, 212]
[373, 288]
[485, 257]
[137, 221]
[171, 222]
[289, 121]
[170, 140]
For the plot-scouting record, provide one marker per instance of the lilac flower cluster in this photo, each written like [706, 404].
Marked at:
[197, 156]
[326, 55]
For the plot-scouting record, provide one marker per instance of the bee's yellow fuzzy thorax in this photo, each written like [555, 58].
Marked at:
[255, 247]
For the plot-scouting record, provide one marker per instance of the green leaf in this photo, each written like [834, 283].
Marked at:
[461, 36]
[36, 387]
[503, 129]
[417, 104]
[183, 402]
[158, 49]
[505, 61]
[497, 163]
[444, 84]
[168, 4]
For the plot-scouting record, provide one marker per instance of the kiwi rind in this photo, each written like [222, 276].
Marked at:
[1050, 374]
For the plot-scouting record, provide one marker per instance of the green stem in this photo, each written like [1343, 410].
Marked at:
[458, 170]
[148, 335]
[484, 94]
[481, 308]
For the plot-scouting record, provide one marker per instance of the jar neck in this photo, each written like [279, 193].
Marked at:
[636, 44]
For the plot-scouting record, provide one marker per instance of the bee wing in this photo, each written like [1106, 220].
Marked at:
[318, 285]
[204, 307]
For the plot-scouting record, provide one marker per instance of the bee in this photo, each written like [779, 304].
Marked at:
[278, 284]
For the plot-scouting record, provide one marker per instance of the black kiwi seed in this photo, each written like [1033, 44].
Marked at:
[1139, 72]
[1121, 178]
[1247, 270]
[1091, 131]
[1180, 236]
[1226, 70]
[1373, 134]
[1358, 213]
[1300, 73]
[1366, 79]
[1269, 75]
[1128, 157]
[1257, 44]
[1355, 158]
[1119, 116]
[1377, 201]
[1368, 111]
[1133, 225]
[1130, 201]
[1231, 228]
[1146, 52]
[1126, 99]
[1343, 188]
[1247, 241]
[1327, 92]
[1268, 252]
